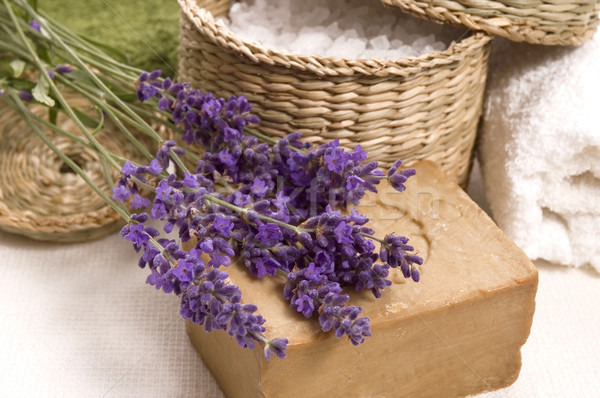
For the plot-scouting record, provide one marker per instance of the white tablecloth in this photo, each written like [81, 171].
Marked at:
[78, 321]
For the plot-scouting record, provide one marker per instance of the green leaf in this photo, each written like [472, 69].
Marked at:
[17, 67]
[86, 119]
[33, 4]
[40, 92]
[21, 84]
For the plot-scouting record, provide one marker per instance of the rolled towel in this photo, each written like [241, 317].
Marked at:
[540, 149]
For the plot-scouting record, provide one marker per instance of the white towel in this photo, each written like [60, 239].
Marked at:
[540, 149]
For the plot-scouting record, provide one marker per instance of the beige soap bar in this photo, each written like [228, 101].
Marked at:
[457, 332]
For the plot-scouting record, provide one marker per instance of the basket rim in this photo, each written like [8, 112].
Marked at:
[256, 52]
[501, 23]
[61, 228]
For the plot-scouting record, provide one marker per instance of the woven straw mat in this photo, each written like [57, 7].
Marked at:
[410, 109]
[40, 196]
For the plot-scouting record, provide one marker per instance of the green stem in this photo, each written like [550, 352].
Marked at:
[110, 111]
[372, 237]
[20, 108]
[79, 62]
[162, 120]
[84, 45]
[43, 75]
[243, 211]
[69, 135]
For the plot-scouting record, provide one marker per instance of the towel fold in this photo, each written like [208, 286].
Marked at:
[540, 149]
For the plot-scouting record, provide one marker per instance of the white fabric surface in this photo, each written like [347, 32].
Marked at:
[540, 149]
[79, 321]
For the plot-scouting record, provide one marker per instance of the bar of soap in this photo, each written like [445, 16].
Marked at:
[457, 332]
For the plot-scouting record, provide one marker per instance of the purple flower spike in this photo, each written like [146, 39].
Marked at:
[120, 193]
[35, 25]
[139, 201]
[25, 96]
[269, 234]
[223, 225]
[305, 305]
[397, 180]
[155, 74]
[63, 69]
[414, 273]
[235, 204]
[277, 347]
[343, 233]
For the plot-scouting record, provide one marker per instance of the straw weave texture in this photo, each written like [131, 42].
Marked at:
[549, 22]
[410, 109]
[40, 196]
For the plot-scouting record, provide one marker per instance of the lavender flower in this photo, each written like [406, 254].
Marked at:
[316, 294]
[395, 251]
[277, 347]
[270, 206]
[25, 96]
[397, 180]
[63, 69]
[35, 25]
[206, 298]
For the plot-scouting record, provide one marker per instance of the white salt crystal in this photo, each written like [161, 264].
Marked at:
[333, 30]
[421, 42]
[396, 43]
[370, 53]
[408, 50]
[337, 47]
[351, 33]
[439, 46]
[380, 43]
[353, 29]
[235, 7]
[354, 46]
[360, 31]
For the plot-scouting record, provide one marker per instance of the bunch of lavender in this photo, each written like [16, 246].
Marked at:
[274, 206]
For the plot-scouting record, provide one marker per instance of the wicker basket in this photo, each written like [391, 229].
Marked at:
[549, 22]
[411, 109]
[40, 197]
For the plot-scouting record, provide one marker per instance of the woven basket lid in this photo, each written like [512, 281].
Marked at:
[40, 197]
[548, 22]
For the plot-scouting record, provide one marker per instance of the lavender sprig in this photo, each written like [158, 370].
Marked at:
[318, 255]
[311, 179]
[272, 204]
[206, 297]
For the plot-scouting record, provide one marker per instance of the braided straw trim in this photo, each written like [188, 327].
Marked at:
[549, 22]
[415, 108]
[40, 197]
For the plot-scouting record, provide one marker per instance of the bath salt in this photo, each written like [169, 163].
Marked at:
[353, 29]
